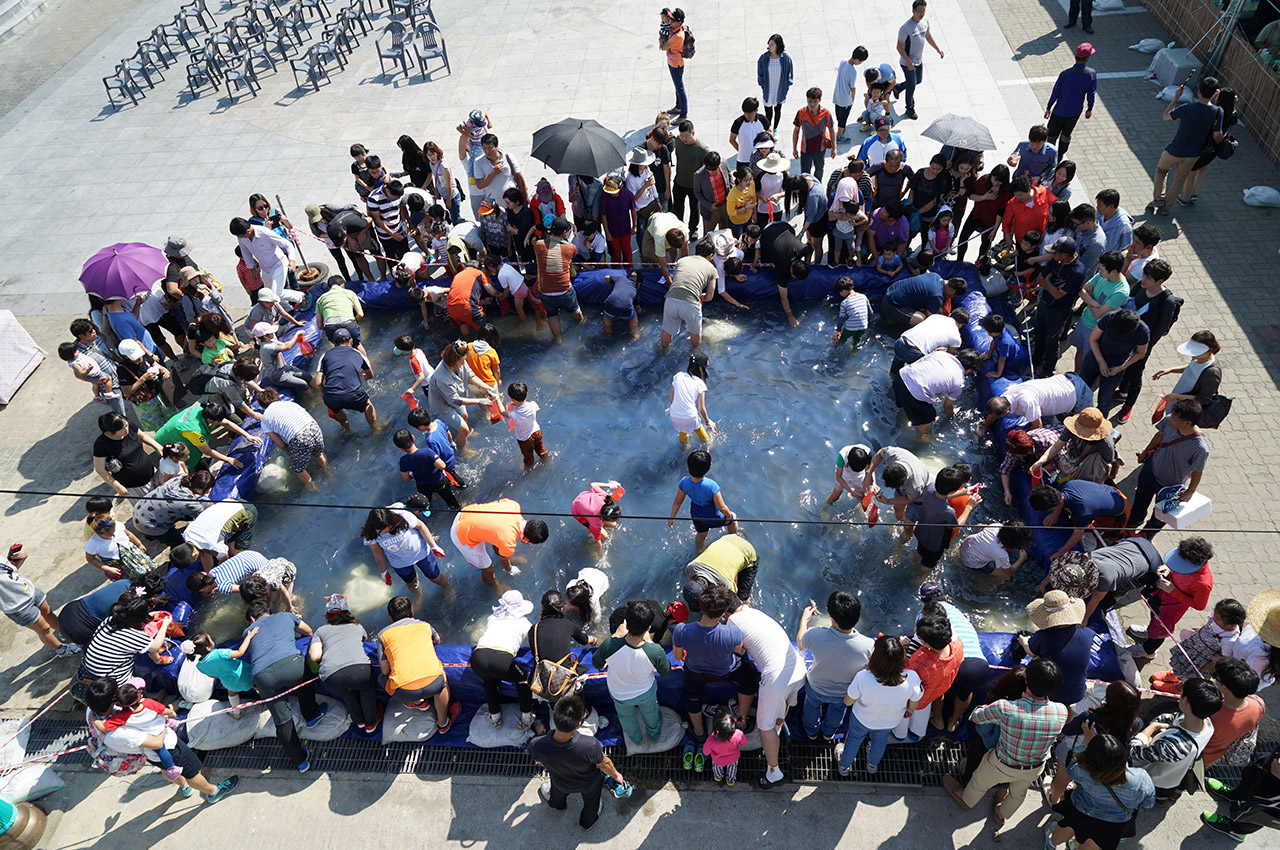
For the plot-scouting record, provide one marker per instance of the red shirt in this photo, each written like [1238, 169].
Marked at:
[1189, 591]
[1020, 218]
[250, 279]
[553, 266]
[717, 185]
[937, 670]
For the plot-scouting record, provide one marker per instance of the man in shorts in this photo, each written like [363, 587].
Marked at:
[25, 604]
[938, 374]
[497, 524]
[339, 308]
[782, 674]
[553, 258]
[341, 377]
[465, 291]
[693, 284]
[224, 529]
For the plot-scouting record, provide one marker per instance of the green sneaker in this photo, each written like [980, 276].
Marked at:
[1219, 823]
[699, 762]
[224, 788]
[687, 756]
[1218, 789]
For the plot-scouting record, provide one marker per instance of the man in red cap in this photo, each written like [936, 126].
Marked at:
[1072, 88]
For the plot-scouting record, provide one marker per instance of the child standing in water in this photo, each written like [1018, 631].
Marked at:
[597, 509]
[707, 508]
[688, 400]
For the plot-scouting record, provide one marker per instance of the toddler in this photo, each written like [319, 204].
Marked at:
[1204, 646]
[889, 263]
[855, 312]
[1003, 343]
[470, 132]
[877, 105]
[86, 369]
[597, 509]
[149, 717]
[723, 747]
[688, 400]
[522, 417]
[173, 461]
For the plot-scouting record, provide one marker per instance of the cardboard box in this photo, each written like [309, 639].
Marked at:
[1189, 512]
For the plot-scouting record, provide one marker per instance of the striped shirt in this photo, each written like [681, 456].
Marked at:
[854, 312]
[1028, 728]
[388, 208]
[112, 651]
[286, 419]
[235, 569]
[96, 352]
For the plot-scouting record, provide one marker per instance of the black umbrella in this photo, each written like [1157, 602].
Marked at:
[579, 146]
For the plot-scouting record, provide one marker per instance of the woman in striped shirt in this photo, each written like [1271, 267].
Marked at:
[119, 639]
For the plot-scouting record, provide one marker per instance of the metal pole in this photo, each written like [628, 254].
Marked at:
[292, 238]
[1231, 17]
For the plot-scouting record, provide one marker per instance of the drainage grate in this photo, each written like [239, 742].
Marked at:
[903, 765]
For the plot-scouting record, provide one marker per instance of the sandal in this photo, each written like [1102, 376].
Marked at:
[687, 758]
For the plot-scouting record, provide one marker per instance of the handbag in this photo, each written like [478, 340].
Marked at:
[1215, 411]
[552, 679]
[1226, 148]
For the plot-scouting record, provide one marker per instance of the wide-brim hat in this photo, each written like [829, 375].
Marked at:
[1264, 616]
[774, 163]
[765, 144]
[1056, 608]
[1191, 348]
[1089, 424]
[1075, 574]
[640, 156]
[313, 212]
[176, 246]
[1174, 561]
[511, 605]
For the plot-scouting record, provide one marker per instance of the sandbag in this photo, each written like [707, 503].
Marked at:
[194, 686]
[30, 783]
[1262, 196]
[1168, 93]
[407, 725]
[669, 737]
[274, 477]
[335, 722]
[593, 724]
[1147, 45]
[482, 732]
[14, 750]
[218, 732]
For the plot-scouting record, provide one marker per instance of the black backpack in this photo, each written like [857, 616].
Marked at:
[199, 383]
[689, 44]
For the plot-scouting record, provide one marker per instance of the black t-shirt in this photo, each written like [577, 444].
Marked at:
[1156, 312]
[523, 223]
[572, 764]
[660, 164]
[1116, 348]
[349, 220]
[552, 637]
[888, 186]
[127, 461]
[657, 631]
[780, 245]
[926, 189]
[342, 366]
[1068, 277]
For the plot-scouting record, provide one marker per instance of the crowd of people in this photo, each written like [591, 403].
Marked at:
[1084, 276]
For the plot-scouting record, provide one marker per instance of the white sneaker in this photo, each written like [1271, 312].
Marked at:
[544, 791]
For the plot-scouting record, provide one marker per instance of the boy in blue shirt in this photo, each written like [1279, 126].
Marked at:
[425, 467]
[437, 437]
[1004, 344]
[706, 506]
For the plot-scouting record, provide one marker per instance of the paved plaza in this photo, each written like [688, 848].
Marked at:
[76, 175]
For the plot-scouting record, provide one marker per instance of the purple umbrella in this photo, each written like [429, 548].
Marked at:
[123, 270]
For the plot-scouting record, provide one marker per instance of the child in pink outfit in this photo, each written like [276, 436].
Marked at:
[722, 746]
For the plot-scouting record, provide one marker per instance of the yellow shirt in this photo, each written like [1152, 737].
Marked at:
[741, 203]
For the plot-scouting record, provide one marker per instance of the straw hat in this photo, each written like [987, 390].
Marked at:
[1075, 574]
[1089, 424]
[1264, 616]
[1056, 609]
[774, 163]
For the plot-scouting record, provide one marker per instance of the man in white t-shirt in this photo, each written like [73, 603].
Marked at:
[938, 332]
[938, 374]
[1035, 399]
[988, 550]
[782, 674]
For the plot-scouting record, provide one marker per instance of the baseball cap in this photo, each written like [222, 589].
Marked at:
[336, 602]
[931, 590]
[1085, 50]
[476, 117]
[262, 329]
[548, 219]
[485, 208]
[544, 187]
[883, 122]
[692, 594]
[699, 358]
[612, 184]
[676, 15]
[1064, 245]
[341, 335]
[131, 349]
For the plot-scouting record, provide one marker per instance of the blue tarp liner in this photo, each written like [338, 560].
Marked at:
[592, 288]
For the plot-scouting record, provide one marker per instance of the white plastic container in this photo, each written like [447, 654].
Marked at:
[1188, 513]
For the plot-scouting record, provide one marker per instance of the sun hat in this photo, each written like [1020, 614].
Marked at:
[268, 295]
[612, 184]
[1085, 50]
[1173, 560]
[313, 212]
[1089, 424]
[512, 604]
[336, 602]
[262, 329]
[1264, 616]
[485, 208]
[1075, 574]
[774, 163]
[1019, 443]
[189, 274]
[476, 117]
[1056, 608]
[131, 349]
[765, 144]
[640, 156]
[176, 246]
[1191, 348]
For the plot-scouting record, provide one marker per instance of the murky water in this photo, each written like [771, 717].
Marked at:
[785, 401]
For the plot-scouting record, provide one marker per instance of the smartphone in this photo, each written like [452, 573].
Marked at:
[1187, 81]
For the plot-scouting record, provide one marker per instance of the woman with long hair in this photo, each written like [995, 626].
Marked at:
[413, 163]
[1102, 810]
[774, 73]
[1226, 101]
[879, 696]
[1118, 716]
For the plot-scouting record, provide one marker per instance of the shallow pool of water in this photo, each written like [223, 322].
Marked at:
[785, 401]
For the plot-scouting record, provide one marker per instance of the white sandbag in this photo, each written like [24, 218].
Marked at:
[274, 477]
[594, 723]
[407, 725]
[30, 783]
[669, 736]
[218, 732]
[1168, 93]
[1107, 5]
[335, 721]
[1262, 196]
[1147, 45]
[16, 750]
[484, 734]
[194, 686]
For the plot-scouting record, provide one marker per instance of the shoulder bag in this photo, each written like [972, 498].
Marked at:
[552, 679]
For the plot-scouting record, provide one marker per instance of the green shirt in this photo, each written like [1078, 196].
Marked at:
[688, 161]
[1109, 294]
[691, 278]
[337, 306]
[217, 354]
[188, 426]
